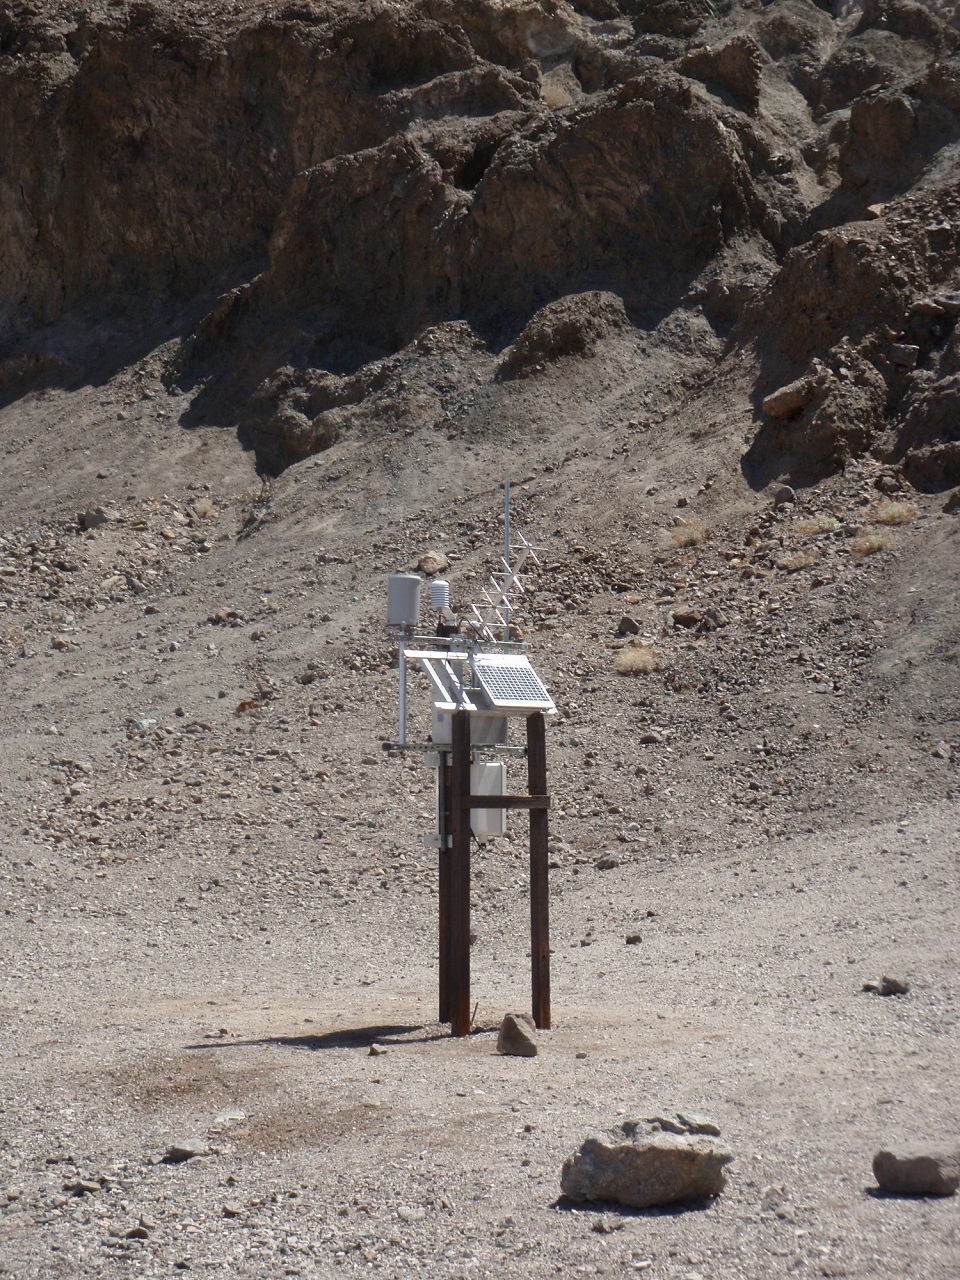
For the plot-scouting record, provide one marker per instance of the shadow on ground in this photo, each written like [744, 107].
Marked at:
[348, 1038]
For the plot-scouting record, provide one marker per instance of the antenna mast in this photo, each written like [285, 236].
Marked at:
[496, 612]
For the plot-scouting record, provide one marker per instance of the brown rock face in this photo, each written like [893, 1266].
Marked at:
[293, 193]
[735, 67]
[402, 247]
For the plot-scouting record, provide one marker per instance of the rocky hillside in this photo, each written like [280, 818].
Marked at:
[287, 196]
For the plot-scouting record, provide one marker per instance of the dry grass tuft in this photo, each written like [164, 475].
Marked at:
[805, 558]
[892, 512]
[203, 508]
[822, 522]
[636, 660]
[691, 533]
[868, 544]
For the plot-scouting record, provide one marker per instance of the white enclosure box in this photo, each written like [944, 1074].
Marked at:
[485, 730]
[487, 778]
[403, 600]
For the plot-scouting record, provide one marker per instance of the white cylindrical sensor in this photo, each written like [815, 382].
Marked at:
[403, 599]
[439, 595]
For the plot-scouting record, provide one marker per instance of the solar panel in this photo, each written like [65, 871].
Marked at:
[509, 680]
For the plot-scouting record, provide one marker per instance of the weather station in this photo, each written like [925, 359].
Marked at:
[481, 682]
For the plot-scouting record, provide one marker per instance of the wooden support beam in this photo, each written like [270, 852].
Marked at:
[539, 888]
[459, 1002]
[509, 802]
[443, 884]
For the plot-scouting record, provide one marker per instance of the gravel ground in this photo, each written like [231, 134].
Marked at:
[217, 901]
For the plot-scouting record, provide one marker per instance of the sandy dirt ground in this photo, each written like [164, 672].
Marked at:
[217, 900]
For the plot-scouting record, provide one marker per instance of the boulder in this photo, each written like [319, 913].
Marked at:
[516, 1038]
[917, 1169]
[433, 562]
[646, 1169]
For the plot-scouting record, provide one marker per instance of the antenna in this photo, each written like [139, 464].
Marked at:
[497, 611]
[506, 550]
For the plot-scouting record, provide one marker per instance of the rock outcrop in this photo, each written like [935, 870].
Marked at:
[311, 187]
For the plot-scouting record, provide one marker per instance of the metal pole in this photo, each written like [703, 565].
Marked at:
[402, 738]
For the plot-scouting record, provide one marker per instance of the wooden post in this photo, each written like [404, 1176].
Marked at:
[459, 974]
[443, 886]
[539, 891]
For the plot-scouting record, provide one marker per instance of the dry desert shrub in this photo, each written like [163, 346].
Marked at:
[805, 558]
[203, 508]
[822, 522]
[869, 543]
[691, 533]
[636, 660]
[892, 512]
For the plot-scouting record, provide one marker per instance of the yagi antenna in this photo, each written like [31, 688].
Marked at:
[497, 611]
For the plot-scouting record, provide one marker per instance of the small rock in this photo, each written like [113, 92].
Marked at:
[942, 751]
[916, 1169]
[784, 496]
[83, 1187]
[651, 738]
[893, 986]
[406, 1213]
[432, 562]
[948, 303]
[646, 1170]
[232, 1209]
[904, 354]
[634, 939]
[232, 1115]
[94, 517]
[606, 1225]
[788, 400]
[516, 1038]
[376, 1051]
[607, 862]
[628, 626]
[774, 1198]
[888, 987]
[686, 617]
[185, 1149]
[714, 618]
[139, 1232]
